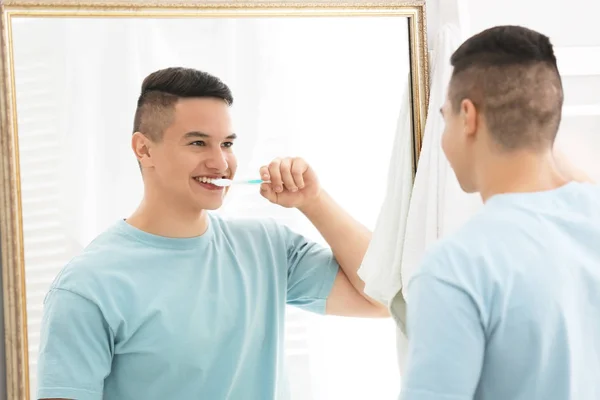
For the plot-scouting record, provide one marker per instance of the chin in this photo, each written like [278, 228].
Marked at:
[465, 185]
[212, 207]
[199, 205]
[208, 201]
[468, 188]
[208, 204]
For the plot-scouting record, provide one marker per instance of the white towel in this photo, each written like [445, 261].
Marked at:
[380, 269]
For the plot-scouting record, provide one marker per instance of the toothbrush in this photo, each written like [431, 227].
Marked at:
[229, 182]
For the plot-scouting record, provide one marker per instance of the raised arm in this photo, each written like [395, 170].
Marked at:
[349, 241]
[294, 184]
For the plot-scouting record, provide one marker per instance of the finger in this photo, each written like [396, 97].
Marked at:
[299, 167]
[275, 174]
[285, 169]
[267, 192]
[264, 173]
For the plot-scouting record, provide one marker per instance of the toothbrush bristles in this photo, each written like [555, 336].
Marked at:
[222, 182]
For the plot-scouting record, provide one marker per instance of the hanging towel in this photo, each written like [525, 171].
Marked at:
[380, 268]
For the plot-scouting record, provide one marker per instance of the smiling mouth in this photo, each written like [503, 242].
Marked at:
[207, 183]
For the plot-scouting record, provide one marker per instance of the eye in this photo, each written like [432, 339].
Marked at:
[227, 144]
[198, 143]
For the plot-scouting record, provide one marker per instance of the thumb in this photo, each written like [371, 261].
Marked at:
[268, 193]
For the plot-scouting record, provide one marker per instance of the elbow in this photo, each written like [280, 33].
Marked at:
[383, 312]
[379, 310]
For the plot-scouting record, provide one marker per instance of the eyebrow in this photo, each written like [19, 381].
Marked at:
[205, 135]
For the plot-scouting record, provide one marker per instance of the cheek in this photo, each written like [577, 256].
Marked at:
[159, 159]
[452, 141]
[231, 162]
[178, 162]
[447, 143]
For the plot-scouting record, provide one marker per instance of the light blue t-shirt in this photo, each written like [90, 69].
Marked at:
[138, 316]
[508, 308]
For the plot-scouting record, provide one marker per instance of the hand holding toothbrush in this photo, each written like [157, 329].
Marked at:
[291, 182]
[288, 182]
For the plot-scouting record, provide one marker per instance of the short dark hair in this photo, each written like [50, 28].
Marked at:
[510, 74]
[163, 88]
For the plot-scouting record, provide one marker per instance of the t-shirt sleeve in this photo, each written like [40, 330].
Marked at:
[76, 347]
[446, 339]
[312, 270]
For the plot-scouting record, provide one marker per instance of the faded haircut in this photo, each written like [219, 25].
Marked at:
[510, 75]
[163, 88]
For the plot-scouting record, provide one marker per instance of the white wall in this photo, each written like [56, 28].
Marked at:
[568, 23]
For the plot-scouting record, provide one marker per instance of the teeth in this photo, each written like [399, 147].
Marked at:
[204, 179]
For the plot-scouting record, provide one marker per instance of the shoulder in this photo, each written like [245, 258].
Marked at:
[250, 228]
[471, 242]
[243, 224]
[89, 271]
[463, 269]
[589, 195]
[264, 235]
[472, 257]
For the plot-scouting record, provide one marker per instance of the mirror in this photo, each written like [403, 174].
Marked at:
[333, 84]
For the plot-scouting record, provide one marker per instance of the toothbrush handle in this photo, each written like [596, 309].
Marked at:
[252, 182]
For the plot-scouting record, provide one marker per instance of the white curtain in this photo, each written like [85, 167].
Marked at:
[329, 90]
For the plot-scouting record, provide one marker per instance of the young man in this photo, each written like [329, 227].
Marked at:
[509, 306]
[177, 303]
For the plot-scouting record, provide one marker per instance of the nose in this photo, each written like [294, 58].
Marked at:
[217, 160]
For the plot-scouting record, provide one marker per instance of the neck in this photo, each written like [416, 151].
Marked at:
[164, 218]
[519, 172]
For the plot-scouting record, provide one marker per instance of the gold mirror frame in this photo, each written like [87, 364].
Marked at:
[11, 226]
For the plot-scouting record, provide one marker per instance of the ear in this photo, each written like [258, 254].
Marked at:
[469, 117]
[140, 145]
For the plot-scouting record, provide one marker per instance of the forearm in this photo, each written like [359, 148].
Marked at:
[347, 238]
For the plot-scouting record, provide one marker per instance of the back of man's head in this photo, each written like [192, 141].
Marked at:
[510, 74]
